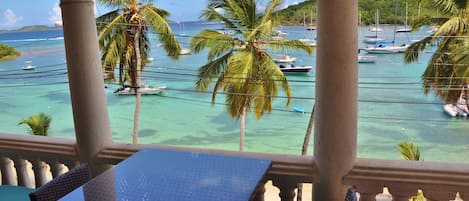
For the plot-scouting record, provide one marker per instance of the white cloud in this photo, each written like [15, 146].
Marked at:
[55, 15]
[10, 19]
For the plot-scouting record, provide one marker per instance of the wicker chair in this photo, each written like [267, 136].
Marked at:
[61, 185]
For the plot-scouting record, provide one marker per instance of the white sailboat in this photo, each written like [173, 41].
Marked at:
[307, 41]
[374, 39]
[376, 28]
[405, 28]
[383, 48]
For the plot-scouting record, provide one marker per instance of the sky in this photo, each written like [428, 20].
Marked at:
[18, 13]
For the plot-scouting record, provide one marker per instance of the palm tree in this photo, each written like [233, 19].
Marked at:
[447, 71]
[123, 39]
[249, 77]
[409, 151]
[38, 124]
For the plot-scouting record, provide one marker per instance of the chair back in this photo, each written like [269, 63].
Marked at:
[62, 185]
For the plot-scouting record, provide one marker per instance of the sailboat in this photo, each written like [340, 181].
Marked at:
[374, 39]
[405, 28]
[312, 26]
[376, 28]
[383, 48]
[307, 41]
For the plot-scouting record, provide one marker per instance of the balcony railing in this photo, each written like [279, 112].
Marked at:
[439, 181]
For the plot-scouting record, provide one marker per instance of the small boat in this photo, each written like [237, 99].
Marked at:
[28, 66]
[384, 49]
[279, 33]
[185, 51]
[291, 68]
[312, 27]
[450, 109]
[298, 109]
[144, 90]
[285, 59]
[373, 40]
[150, 59]
[366, 59]
[403, 29]
[375, 29]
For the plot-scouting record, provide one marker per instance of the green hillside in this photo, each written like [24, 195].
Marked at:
[306, 11]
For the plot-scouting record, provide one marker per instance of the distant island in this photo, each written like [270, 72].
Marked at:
[32, 28]
[8, 52]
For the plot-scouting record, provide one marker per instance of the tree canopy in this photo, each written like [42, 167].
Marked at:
[7, 52]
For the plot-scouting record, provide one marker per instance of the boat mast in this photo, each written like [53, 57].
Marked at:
[406, 14]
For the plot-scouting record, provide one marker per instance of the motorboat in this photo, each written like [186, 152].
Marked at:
[450, 109]
[28, 66]
[291, 68]
[366, 59]
[184, 51]
[385, 49]
[375, 29]
[403, 29]
[144, 90]
[285, 59]
[279, 33]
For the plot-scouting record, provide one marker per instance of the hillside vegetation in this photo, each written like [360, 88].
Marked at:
[306, 11]
[7, 52]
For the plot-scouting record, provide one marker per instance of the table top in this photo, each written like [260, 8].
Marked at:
[156, 174]
[16, 193]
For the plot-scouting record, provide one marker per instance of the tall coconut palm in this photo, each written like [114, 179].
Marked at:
[38, 124]
[448, 71]
[241, 66]
[124, 41]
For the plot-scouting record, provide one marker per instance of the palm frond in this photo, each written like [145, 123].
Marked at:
[409, 151]
[38, 124]
[218, 43]
[450, 7]
[413, 51]
[210, 71]
[453, 27]
[289, 45]
[161, 27]
[425, 21]
[268, 13]
[115, 3]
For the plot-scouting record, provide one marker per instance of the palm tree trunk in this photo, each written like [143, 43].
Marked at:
[138, 83]
[304, 150]
[242, 125]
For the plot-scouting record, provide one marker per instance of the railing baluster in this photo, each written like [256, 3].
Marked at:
[24, 178]
[260, 191]
[8, 171]
[57, 169]
[40, 173]
[287, 188]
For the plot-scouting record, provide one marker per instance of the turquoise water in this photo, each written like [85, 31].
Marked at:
[389, 112]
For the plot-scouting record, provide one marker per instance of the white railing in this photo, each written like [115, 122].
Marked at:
[439, 181]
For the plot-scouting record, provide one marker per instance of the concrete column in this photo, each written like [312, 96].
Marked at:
[335, 141]
[85, 76]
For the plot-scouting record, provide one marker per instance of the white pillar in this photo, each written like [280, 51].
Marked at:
[335, 141]
[85, 76]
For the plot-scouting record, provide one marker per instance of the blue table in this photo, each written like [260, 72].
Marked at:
[14, 193]
[155, 174]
